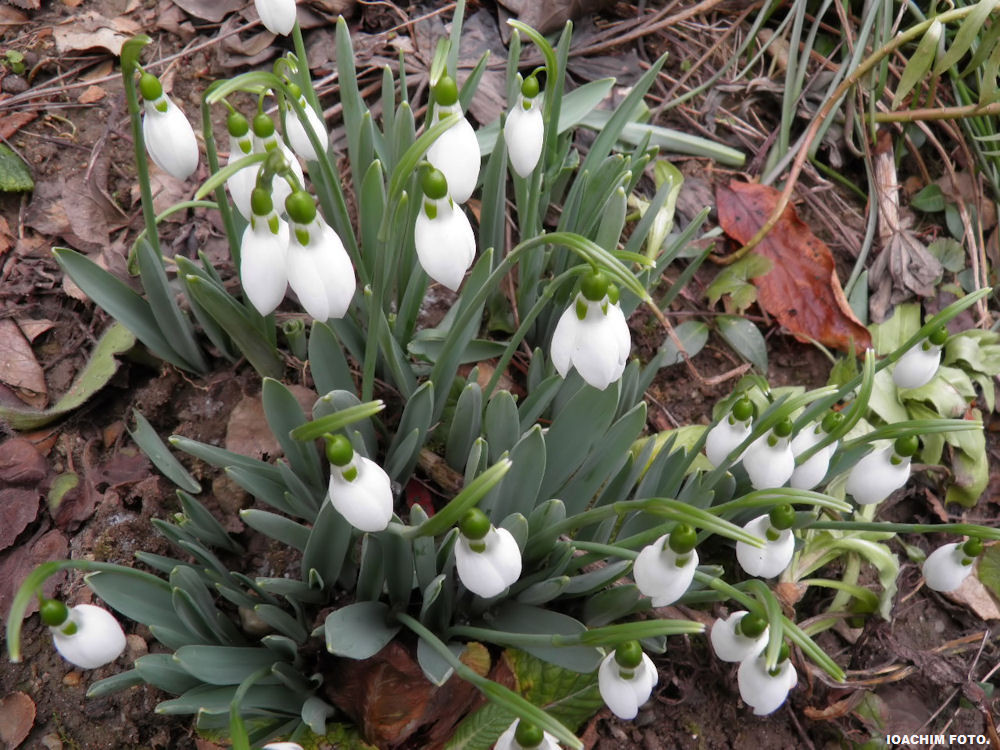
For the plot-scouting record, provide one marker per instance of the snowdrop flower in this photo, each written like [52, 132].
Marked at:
[86, 636]
[282, 746]
[626, 679]
[729, 433]
[946, 567]
[241, 184]
[264, 255]
[779, 543]
[811, 472]
[456, 151]
[488, 559]
[882, 472]
[445, 243]
[359, 488]
[769, 460]
[169, 137]
[592, 335]
[740, 636]
[919, 365]
[765, 690]
[278, 16]
[296, 131]
[664, 570]
[319, 269]
[524, 736]
[524, 129]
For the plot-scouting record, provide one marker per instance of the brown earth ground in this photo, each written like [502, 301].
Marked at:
[65, 115]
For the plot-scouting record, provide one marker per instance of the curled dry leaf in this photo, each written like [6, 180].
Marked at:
[18, 367]
[17, 716]
[802, 289]
[21, 462]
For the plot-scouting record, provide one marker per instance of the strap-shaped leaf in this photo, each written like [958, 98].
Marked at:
[966, 35]
[327, 546]
[745, 338]
[156, 450]
[327, 362]
[223, 665]
[277, 527]
[284, 414]
[919, 64]
[503, 428]
[465, 425]
[518, 492]
[359, 630]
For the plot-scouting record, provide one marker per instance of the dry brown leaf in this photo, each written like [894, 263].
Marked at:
[69, 210]
[21, 560]
[210, 10]
[27, 4]
[17, 716]
[11, 122]
[92, 30]
[802, 289]
[91, 94]
[975, 597]
[18, 508]
[32, 329]
[21, 462]
[243, 432]
[18, 366]
[11, 17]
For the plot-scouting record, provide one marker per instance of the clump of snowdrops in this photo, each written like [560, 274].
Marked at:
[563, 530]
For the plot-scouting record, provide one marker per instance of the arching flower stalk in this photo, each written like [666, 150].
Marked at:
[740, 636]
[775, 529]
[456, 151]
[812, 471]
[763, 689]
[264, 255]
[918, 366]
[442, 235]
[592, 335]
[169, 137]
[664, 570]
[946, 567]
[319, 269]
[86, 636]
[730, 432]
[359, 489]
[882, 472]
[626, 679]
[488, 559]
[524, 129]
[769, 460]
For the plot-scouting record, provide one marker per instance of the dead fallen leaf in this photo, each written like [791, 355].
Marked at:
[11, 122]
[69, 210]
[32, 329]
[18, 366]
[92, 30]
[18, 508]
[975, 597]
[17, 716]
[21, 560]
[11, 17]
[91, 94]
[552, 15]
[243, 432]
[21, 462]
[802, 289]
[210, 10]
[27, 4]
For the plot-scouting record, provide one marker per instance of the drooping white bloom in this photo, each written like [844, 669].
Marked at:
[362, 493]
[319, 270]
[732, 646]
[241, 184]
[662, 574]
[763, 691]
[596, 343]
[282, 746]
[946, 567]
[264, 260]
[507, 740]
[624, 695]
[877, 475]
[297, 134]
[771, 559]
[811, 472]
[456, 154]
[446, 244]
[769, 461]
[524, 132]
[169, 137]
[726, 437]
[488, 572]
[918, 366]
[278, 16]
[98, 639]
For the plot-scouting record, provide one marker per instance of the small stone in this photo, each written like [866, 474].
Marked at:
[72, 679]
[51, 742]
[13, 84]
[135, 646]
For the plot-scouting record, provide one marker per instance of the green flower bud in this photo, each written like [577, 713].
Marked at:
[263, 126]
[446, 91]
[783, 428]
[832, 421]
[528, 735]
[237, 125]
[752, 625]
[294, 90]
[973, 547]
[529, 87]
[474, 524]
[906, 445]
[743, 409]
[938, 336]
[434, 184]
[53, 612]
[629, 655]
[300, 207]
[594, 286]
[339, 450]
[683, 538]
[260, 201]
[150, 87]
[782, 516]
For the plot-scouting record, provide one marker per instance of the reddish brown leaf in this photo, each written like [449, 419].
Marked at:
[17, 716]
[11, 122]
[21, 462]
[21, 560]
[801, 290]
[18, 508]
[18, 366]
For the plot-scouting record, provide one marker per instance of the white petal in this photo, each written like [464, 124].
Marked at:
[724, 438]
[170, 139]
[506, 741]
[732, 646]
[446, 244]
[564, 341]
[241, 186]
[278, 16]
[506, 555]
[625, 696]
[875, 477]
[659, 577]
[769, 466]
[770, 560]
[762, 690]
[811, 473]
[263, 263]
[943, 568]
[477, 571]
[524, 132]
[598, 344]
[299, 137]
[917, 367]
[321, 273]
[282, 746]
[456, 154]
[99, 639]
[335, 271]
[366, 500]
